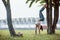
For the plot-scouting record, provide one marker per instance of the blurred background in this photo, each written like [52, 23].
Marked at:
[23, 17]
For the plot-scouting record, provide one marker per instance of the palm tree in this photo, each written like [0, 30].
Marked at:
[51, 27]
[49, 16]
[56, 14]
[9, 20]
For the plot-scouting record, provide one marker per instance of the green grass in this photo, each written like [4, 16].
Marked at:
[30, 35]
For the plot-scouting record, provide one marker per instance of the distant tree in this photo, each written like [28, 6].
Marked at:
[33, 20]
[24, 20]
[4, 21]
[20, 20]
[29, 20]
[16, 21]
[0, 23]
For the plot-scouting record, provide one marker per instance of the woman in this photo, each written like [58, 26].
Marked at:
[41, 18]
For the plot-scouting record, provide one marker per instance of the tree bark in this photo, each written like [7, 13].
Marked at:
[56, 15]
[49, 16]
[47, 13]
[9, 20]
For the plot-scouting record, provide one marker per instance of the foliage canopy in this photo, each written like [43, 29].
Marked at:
[32, 1]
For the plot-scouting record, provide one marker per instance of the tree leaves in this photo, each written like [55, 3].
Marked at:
[42, 1]
[32, 1]
[27, 1]
[37, 1]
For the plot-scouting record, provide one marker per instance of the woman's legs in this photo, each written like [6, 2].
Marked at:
[41, 16]
[39, 29]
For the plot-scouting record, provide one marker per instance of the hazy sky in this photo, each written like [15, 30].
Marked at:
[19, 8]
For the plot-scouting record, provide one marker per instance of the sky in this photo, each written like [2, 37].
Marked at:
[19, 9]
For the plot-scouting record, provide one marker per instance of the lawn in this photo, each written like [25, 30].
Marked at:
[29, 35]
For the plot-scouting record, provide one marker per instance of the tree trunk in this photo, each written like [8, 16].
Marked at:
[56, 15]
[49, 16]
[9, 20]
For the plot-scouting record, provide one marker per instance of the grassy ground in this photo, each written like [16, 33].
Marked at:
[29, 35]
